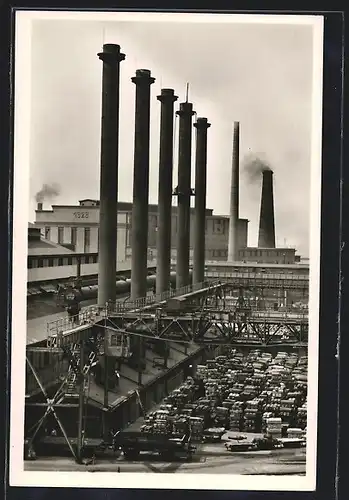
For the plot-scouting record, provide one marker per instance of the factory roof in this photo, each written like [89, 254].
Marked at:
[123, 206]
[279, 249]
[44, 247]
[37, 245]
[228, 217]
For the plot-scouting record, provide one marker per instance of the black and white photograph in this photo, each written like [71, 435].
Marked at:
[166, 250]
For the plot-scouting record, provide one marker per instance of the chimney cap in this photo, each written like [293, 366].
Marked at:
[111, 47]
[143, 76]
[143, 72]
[167, 95]
[202, 123]
[185, 108]
[111, 53]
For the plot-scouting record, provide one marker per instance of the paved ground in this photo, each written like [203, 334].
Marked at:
[210, 459]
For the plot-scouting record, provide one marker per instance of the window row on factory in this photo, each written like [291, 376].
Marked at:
[73, 236]
[250, 252]
[219, 226]
[213, 225]
[37, 262]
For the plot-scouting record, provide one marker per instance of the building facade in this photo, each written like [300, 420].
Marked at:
[76, 227]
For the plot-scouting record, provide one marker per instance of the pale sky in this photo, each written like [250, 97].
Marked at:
[260, 75]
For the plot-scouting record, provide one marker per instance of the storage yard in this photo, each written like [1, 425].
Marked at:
[206, 373]
[250, 405]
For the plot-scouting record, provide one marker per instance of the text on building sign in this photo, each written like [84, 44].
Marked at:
[81, 215]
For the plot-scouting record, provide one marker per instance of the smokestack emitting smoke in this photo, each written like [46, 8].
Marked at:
[254, 166]
[47, 192]
[234, 198]
[266, 237]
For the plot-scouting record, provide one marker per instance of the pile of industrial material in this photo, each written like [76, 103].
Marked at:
[257, 388]
[255, 393]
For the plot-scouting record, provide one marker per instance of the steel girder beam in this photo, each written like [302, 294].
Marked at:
[51, 405]
[266, 282]
[80, 369]
[207, 327]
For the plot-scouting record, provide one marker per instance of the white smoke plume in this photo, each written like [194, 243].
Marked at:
[47, 192]
[253, 166]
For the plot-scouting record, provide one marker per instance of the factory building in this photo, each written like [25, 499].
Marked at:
[76, 227]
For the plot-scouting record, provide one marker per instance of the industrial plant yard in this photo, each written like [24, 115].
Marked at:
[210, 459]
[192, 366]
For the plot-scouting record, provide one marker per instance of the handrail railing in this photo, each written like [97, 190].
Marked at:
[256, 276]
[94, 313]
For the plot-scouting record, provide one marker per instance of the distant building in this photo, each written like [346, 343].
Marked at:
[38, 245]
[48, 260]
[76, 227]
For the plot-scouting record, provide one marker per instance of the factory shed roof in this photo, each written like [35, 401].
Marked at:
[44, 247]
[123, 206]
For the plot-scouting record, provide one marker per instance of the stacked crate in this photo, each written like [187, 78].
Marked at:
[196, 425]
[241, 393]
[221, 417]
[236, 422]
[294, 432]
[302, 416]
[203, 410]
[162, 423]
[147, 428]
[266, 415]
[287, 409]
[251, 415]
[274, 428]
[180, 426]
[201, 372]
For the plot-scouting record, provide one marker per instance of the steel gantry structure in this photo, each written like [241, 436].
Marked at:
[220, 314]
[207, 314]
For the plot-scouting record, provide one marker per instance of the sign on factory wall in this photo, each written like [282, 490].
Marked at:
[76, 215]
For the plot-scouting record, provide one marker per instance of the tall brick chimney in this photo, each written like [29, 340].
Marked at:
[266, 237]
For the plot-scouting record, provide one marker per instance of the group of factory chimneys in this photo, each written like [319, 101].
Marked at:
[111, 58]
